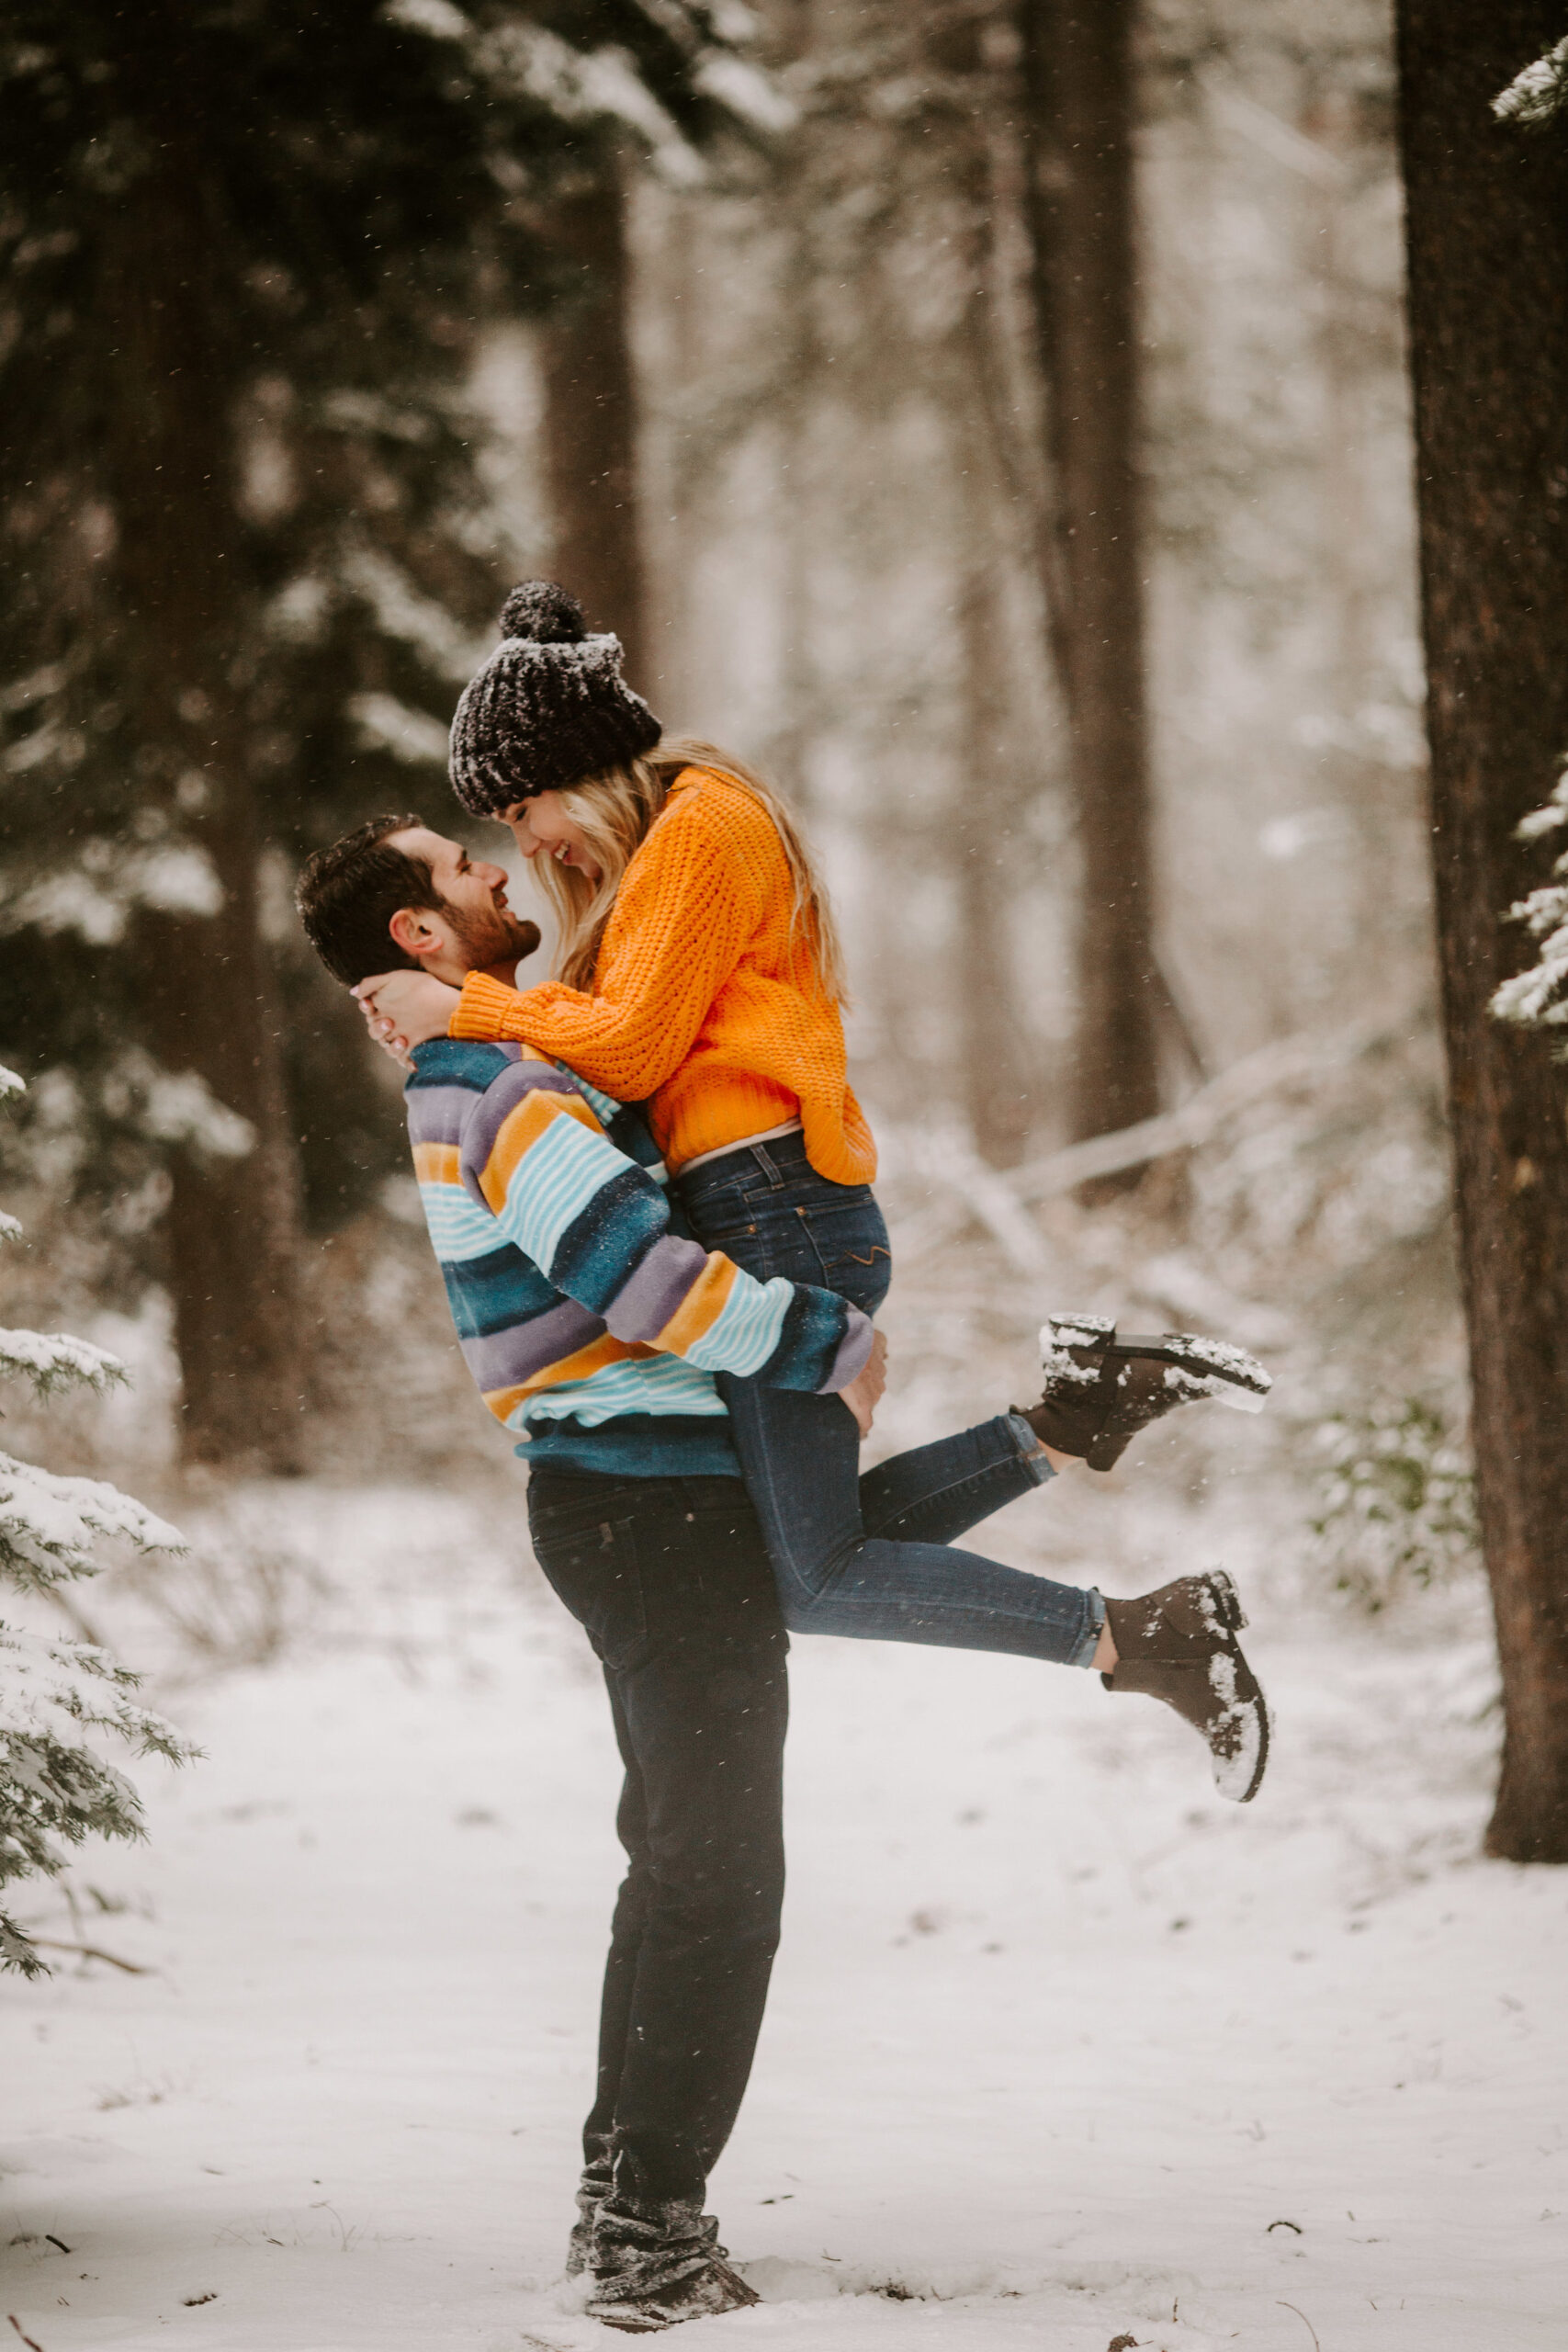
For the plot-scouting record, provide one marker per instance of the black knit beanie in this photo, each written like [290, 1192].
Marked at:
[549, 707]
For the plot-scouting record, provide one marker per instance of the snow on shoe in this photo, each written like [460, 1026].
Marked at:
[1179, 1645]
[1101, 1389]
[655, 2265]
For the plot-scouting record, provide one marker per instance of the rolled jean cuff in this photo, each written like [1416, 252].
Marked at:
[1031, 1452]
[1094, 1612]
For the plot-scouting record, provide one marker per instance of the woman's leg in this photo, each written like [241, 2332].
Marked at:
[871, 1558]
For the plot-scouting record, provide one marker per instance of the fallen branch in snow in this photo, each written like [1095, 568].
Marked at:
[90, 1952]
[1302, 2316]
[997, 1199]
[25, 2338]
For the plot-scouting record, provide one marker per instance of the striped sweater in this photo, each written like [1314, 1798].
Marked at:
[592, 1322]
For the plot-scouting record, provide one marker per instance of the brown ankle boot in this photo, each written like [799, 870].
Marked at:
[1179, 1645]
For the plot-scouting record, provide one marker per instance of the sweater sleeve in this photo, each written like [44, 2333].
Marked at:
[598, 1226]
[691, 898]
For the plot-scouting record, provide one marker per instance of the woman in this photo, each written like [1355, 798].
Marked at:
[700, 973]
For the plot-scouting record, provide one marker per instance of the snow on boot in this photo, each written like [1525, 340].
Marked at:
[1179, 1645]
[1102, 1390]
[656, 2264]
[591, 2191]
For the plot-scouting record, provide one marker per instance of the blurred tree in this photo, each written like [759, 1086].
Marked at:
[591, 410]
[245, 255]
[1487, 226]
[1078, 114]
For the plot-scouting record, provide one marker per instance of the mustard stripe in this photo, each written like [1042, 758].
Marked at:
[438, 1163]
[579, 1365]
[702, 1306]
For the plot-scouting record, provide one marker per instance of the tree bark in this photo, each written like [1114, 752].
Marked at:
[1488, 260]
[590, 418]
[1078, 115]
[209, 998]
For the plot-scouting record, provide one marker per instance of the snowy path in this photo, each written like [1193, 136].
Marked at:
[1055, 2037]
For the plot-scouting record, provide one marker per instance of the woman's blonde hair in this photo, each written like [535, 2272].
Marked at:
[613, 812]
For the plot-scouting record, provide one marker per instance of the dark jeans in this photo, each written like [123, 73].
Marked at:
[671, 1581]
[871, 1556]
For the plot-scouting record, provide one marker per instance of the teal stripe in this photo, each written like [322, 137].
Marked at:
[748, 1330]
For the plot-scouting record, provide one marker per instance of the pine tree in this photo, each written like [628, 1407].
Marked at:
[55, 1790]
[244, 257]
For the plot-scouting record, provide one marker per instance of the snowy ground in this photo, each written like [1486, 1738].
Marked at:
[1062, 2052]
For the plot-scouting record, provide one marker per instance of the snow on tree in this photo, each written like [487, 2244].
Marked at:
[1538, 95]
[55, 1789]
[1537, 999]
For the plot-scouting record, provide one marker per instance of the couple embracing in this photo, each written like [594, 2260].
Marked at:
[648, 1184]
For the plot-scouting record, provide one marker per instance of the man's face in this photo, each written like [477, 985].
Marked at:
[477, 929]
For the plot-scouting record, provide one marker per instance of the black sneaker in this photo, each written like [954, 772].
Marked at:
[655, 2265]
[1179, 1645]
[1100, 1390]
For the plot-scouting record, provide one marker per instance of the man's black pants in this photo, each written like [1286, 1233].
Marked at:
[670, 1580]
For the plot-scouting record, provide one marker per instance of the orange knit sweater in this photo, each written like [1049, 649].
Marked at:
[703, 1004]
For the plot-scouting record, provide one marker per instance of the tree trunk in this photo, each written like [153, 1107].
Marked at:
[1488, 254]
[208, 997]
[590, 418]
[1077, 74]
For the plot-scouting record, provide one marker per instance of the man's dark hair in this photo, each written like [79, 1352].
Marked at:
[348, 894]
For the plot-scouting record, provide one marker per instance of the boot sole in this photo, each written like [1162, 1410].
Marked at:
[1092, 1340]
[1233, 1617]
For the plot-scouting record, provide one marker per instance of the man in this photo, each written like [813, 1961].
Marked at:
[593, 1327]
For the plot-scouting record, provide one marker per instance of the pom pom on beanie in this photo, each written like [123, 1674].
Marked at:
[548, 709]
[544, 613]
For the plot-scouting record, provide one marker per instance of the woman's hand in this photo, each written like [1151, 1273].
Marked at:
[405, 1009]
[865, 1392]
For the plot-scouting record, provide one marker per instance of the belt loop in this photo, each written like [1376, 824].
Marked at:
[760, 1154]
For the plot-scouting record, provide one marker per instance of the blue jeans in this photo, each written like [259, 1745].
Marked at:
[873, 1557]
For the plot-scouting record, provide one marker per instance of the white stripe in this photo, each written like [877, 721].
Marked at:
[458, 1228]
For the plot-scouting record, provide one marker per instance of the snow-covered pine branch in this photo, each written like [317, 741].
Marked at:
[1538, 95]
[55, 1790]
[53, 1360]
[49, 1525]
[1538, 998]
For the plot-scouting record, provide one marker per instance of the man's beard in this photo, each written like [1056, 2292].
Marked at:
[495, 936]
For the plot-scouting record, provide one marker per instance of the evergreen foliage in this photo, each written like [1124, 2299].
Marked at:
[55, 1790]
[1537, 999]
[246, 255]
[1538, 95]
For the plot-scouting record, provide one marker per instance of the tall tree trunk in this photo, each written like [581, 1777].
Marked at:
[209, 998]
[591, 417]
[994, 783]
[1488, 254]
[1078, 114]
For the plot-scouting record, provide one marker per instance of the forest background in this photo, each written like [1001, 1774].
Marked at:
[759, 328]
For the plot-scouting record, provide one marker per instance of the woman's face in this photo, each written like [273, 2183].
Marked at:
[541, 828]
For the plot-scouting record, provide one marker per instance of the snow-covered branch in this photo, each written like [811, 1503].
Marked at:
[1538, 95]
[48, 1525]
[1538, 998]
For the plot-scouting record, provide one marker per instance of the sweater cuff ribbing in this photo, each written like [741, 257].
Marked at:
[853, 1353]
[487, 1011]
